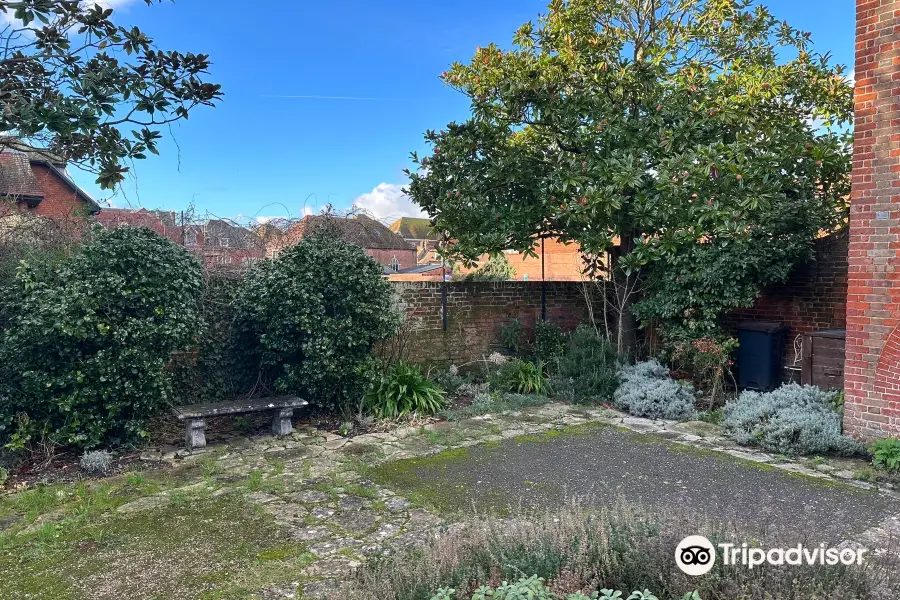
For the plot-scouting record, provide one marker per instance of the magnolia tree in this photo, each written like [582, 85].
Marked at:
[647, 131]
[89, 90]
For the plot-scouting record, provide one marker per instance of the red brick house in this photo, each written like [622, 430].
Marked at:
[36, 183]
[387, 248]
[217, 243]
[872, 365]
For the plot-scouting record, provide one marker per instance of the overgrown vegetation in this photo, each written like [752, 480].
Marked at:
[311, 317]
[588, 369]
[707, 361]
[793, 419]
[83, 345]
[647, 391]
[575, 549]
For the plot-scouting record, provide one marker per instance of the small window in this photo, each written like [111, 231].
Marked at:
[395, 264]
[224, 242]
[190, 239]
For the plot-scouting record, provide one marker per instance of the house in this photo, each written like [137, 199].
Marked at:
[554, 261]
[386, 247]
[221, 243]
[114, 218]
[421, 234]
[36, 183]
[216, 242]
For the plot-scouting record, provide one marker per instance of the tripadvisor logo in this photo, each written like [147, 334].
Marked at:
[695, 555]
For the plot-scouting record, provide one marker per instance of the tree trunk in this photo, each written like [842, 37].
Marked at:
[624, 288]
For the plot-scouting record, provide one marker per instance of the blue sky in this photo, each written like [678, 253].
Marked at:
[267, 151]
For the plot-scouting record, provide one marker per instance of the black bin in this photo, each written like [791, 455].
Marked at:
[760, 355]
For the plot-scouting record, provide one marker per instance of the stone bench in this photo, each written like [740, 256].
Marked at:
[196, 414]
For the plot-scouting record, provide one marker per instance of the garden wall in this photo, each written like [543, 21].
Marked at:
[812, 299]
[475, 312]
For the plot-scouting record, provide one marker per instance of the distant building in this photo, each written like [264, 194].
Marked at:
[217, 243]
[386, 247]
[421, 234]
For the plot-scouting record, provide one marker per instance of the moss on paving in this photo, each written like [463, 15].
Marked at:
[408, 475]
[70, 544]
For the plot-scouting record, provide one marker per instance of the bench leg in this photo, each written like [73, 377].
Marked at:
[195, 433]
[281, 421]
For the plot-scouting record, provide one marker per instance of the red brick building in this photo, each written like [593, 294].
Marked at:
[872, 367]
[387, 248]
[36, 183]
[217, 243]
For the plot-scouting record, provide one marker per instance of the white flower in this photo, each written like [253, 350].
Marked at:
[496, 358]
[454, 370]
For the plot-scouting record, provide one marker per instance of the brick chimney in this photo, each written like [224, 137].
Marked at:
[872, 370]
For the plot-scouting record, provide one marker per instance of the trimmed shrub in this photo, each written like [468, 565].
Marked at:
[647, 391]
[588, 370]
[311, 317]
[792, 420]
[403, 390]
[96, 462]
[520, 376]
[84, 345]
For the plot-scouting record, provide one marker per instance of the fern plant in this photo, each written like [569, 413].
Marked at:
[886, 454]
[404, 389]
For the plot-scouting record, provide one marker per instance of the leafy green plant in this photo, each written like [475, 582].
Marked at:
[404, 390]
[144, 86]
[512, 336]
[85, 345]
[549, 342]
[886, 454]
[588, 370]
[520, 376]
[497, 268]
[310, 318]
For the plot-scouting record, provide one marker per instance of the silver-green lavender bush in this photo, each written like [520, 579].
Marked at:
[792, 419]
[647, 391]
[96, 462]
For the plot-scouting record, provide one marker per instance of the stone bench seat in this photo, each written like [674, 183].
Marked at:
[195, 415]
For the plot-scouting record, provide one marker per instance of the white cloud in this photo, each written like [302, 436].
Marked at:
[387, 202]
[264, 220]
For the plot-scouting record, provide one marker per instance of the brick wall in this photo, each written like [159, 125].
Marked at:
[872, 367]
[812, 299]
[60, 200]
[475, 312]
